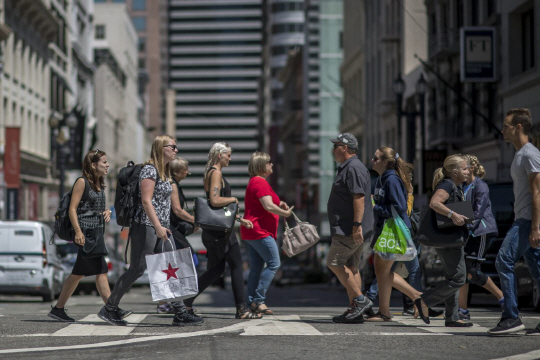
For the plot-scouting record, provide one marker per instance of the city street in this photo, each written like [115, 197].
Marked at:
[301, 329]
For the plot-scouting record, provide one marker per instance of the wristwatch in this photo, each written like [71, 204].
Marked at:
[356, 223]
[450, 214]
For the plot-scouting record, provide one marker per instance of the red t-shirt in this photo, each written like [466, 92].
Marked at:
[264, 223]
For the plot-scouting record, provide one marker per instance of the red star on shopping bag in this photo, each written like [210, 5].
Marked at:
[171, 272]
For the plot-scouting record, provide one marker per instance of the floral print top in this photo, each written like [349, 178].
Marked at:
[161, 200]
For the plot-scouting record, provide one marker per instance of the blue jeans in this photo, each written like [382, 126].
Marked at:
[260, 252]
[415, 275]
[516, 244]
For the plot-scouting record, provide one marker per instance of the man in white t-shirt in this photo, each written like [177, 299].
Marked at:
[523, 238]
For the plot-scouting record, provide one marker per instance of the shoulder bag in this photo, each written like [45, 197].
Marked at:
[299, 238]
[429, 234]
[208, 217]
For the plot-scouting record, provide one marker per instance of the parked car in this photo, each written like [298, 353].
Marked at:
[29, 265]
[502, 204]
[68, 253]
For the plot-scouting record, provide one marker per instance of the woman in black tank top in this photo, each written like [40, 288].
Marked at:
[222, 247]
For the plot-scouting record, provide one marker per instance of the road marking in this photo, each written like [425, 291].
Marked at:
[437, 326]
[86, 327]
[281, 325]
[533, 355]
[386, 334]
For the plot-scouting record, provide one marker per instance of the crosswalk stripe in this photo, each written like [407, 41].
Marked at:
[437, 326]
[281, 325]
[86, 327]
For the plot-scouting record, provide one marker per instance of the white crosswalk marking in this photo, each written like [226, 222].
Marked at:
[86, 327]
[280, 325]
[437, 325]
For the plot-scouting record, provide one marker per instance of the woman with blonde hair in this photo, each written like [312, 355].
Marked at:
[151, 226]
[391, 190]
[447, 182]
[263, 208]
[222, 247]
[482, 229]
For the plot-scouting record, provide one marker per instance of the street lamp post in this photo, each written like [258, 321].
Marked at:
[420, 90]
[63, 147]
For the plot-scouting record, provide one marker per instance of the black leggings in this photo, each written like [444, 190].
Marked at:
[234, 259]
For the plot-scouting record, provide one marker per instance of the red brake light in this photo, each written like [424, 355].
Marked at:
[44, 252]
[109, 266]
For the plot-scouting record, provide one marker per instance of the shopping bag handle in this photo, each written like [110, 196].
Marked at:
[171, 240]
[298, 221]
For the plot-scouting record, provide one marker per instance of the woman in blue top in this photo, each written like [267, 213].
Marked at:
[390, 190]
[483, 228]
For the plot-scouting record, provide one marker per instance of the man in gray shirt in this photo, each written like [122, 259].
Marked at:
[351, 222]
[523, 238]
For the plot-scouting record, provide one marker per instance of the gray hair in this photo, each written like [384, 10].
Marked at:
[178, 165]
[213, 155]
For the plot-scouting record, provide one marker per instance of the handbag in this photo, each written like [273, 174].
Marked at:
[299, 238]
[208, 217]
[94, 243]
[429, 233]
[172, 274]
[462, 207]
[395, 241]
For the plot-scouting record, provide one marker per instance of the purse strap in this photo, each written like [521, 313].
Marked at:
[298, 221]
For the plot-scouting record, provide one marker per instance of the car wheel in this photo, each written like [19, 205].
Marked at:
[49, 296]
[536, 297]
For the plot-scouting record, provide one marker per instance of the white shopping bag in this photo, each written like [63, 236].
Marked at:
[172, 275]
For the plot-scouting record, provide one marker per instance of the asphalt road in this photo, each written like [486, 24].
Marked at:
[301, 329]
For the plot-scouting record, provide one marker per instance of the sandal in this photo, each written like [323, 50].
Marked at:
[257, 309]
[242, 312]
[378, 317]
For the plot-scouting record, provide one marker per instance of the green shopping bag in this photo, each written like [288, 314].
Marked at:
[395, 241]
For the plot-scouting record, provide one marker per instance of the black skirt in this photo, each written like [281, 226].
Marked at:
[89, 266]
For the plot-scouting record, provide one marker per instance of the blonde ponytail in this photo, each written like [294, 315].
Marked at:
[213, 155]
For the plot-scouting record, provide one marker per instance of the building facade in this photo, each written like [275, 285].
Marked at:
[29, 31]
[215, 69]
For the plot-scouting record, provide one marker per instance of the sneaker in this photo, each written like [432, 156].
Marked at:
[165, 309]
[507, 326]
[534, 332]
[464, 314]
[408, 312]
[341, 319]
[111, 317]
[358, 308]
[59, 314]
[187, 318]
[123, 313]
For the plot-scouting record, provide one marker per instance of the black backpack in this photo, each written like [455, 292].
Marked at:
[127, 193]
[62, 223]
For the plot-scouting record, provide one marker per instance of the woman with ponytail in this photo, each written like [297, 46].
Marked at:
[391, 190]
[447, 187]
[482, 229]
[222, 247]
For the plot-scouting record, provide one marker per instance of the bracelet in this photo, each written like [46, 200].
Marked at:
[239, 218]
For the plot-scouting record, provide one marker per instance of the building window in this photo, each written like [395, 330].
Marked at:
[138, 4]
[119, 1]
[142, 44]
[140, 23]
[100, 32]
[527, 36]
[142, 63]
[99, 1]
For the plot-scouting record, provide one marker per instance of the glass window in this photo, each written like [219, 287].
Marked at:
[100, 31]
[119, 1]
[527, 36]
[138, 4]
[99, 1]
[142, 63]
[142, 44]
[140, 23]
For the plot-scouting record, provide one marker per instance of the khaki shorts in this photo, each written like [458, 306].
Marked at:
[344, 252]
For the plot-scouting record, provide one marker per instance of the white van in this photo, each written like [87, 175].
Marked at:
[29, 265]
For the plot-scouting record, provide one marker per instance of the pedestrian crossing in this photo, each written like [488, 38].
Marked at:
[88, 327]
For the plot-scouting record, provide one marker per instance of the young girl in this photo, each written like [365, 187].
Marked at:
[87, 214]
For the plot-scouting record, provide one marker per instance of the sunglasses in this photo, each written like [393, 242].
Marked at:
[173, 147]
[338, 145]
[97, 151]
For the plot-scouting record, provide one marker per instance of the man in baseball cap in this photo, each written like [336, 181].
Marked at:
[350, 214]
[346, 139]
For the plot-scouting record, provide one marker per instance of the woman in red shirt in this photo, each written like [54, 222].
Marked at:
[262, 208]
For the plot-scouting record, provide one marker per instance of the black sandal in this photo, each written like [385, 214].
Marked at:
[242, 312]
[257, 310]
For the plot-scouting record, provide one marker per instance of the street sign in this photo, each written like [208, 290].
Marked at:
[478, 59]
